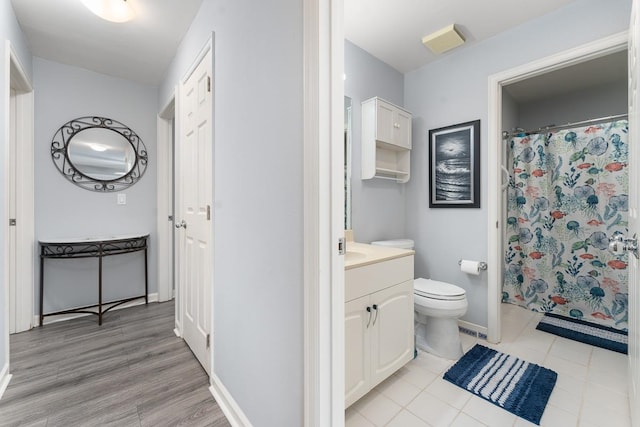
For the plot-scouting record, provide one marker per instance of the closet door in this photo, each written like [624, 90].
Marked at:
[195, 221]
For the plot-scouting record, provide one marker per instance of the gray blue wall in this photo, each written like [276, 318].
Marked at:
[454, 90]
[258, 341]
[378, 210]
[601, 100]
[63, 209]
[9, 30]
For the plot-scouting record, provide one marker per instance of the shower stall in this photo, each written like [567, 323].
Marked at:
[566, 196]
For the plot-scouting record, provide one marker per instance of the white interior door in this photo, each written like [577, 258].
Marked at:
[194, 216]
[634, 223]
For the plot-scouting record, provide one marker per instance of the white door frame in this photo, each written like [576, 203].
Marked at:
[323, 213]
[19, 115]
[634, 191]
[586, 52]
[165, 208]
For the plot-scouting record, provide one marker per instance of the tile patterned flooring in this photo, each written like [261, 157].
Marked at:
[591, 390]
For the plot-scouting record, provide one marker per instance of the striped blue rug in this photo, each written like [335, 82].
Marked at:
[515, 385]
[586, 332]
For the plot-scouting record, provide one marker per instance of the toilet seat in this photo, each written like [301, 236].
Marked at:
[437, 290]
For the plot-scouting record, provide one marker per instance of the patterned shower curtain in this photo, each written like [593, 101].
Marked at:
[568, 193]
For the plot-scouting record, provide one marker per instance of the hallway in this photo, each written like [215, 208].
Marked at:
[131, 371]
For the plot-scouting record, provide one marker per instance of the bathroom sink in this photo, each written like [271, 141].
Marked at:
[354, 256]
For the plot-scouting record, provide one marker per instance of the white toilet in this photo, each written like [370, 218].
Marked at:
[438, 305]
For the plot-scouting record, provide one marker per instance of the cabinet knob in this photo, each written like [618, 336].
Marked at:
[396, 125]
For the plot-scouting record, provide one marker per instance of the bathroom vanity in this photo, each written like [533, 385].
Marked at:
[378, 315]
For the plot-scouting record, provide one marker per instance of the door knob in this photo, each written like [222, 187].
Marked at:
[619, 244]
[181, 224]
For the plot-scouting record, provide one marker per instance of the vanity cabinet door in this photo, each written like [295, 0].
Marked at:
[357, 348]
[392, 341]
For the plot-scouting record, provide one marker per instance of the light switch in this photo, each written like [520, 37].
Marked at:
[122, 199]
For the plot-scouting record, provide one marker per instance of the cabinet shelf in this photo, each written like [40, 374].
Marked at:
[391, 147]
[392, 174]
[386, 141]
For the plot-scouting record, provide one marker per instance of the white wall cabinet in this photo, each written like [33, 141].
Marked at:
[386, 140]
[378, 331]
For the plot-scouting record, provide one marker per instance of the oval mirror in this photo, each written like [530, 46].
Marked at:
[99, 154]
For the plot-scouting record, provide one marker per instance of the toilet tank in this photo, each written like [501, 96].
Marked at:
[397, 243]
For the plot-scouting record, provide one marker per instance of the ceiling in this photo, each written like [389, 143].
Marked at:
[607, 69]
[392, 31]
[140, 50]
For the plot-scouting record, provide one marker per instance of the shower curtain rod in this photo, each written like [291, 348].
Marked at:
[507, 134]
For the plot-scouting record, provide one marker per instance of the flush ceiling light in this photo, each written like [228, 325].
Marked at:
[443, 40]
[111, 10]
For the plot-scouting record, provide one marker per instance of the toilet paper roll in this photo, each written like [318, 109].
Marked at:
[470, 267]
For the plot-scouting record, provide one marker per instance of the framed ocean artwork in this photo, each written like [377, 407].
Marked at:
[454, 165]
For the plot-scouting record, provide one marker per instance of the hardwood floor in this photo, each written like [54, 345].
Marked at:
[131, 371]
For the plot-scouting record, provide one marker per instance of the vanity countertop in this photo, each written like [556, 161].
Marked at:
[361, 254]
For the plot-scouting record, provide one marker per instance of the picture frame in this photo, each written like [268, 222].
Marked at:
[454, 166]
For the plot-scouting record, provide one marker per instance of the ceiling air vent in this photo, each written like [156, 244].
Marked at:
[443, 40]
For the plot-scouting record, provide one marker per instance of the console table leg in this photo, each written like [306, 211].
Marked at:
[41, 290]
[146, 278]
[99, 290]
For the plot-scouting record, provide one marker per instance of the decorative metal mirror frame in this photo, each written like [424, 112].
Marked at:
[60, 154]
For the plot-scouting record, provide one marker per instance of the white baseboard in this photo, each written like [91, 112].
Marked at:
[229, 407]
[5, 377]
[473, 329]
[68, 316]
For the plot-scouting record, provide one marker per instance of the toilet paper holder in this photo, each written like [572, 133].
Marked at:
[482, 265]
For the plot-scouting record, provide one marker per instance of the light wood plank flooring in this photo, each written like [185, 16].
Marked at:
[131, 371]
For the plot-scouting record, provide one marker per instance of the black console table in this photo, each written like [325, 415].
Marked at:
[93, 248]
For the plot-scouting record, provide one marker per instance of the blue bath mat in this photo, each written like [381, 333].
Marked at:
[589, 333]
[515, 385]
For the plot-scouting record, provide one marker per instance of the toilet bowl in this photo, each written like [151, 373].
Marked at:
[437, 307]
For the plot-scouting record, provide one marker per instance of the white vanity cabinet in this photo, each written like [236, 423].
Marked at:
[378, 323]
[386, 140]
